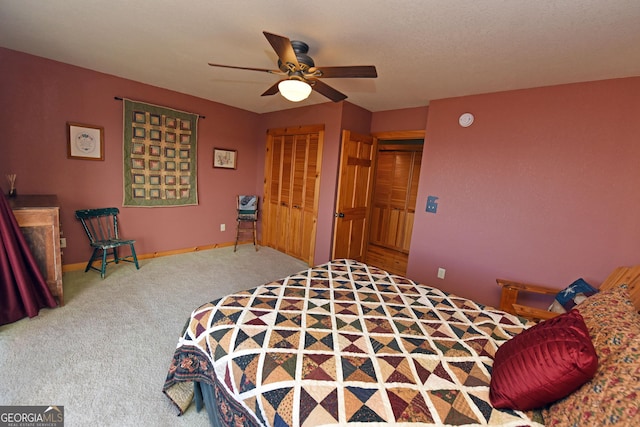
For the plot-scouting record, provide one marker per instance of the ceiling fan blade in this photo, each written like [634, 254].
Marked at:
[272, 90]
[247, 68]
[358, 71]
[328, 91]
[282, 46]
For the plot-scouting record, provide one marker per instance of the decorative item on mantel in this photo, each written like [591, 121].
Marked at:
[12, 185]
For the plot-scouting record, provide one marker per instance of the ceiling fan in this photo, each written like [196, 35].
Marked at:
[302, 75]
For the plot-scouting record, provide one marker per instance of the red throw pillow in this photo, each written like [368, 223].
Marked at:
[543, 364]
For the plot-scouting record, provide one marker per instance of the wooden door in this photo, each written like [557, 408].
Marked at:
[351, 227]
[291, 189]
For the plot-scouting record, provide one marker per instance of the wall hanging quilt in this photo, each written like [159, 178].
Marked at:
[160, 156]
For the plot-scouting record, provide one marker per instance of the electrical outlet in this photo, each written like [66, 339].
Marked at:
[441, 273]
[63, 242]
[223, 227]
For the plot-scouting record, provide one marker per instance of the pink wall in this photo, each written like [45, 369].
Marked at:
[541, 188]
[38, 97]
[49, 93]
[400, 120]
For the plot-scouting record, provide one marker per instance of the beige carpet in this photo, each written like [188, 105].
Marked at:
[105, 354]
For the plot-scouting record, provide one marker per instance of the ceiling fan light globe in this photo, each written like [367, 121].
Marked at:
[294, 90]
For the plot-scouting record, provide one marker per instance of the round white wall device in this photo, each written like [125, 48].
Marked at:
[466, 120]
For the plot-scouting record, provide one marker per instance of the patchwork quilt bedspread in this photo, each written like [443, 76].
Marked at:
[343, 343]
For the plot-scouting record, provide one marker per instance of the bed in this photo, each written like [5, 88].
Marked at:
[345, 343]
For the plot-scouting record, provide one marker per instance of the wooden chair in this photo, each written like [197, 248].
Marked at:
[511, 290]
[247, 219]
[101, 226]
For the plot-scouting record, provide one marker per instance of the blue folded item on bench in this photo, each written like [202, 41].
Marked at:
[571, 296]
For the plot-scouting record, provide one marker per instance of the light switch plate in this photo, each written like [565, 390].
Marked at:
[432, 205]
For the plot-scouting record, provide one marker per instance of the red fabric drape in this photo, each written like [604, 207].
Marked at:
[23, 289]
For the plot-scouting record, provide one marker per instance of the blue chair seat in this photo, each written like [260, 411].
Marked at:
[247, 218]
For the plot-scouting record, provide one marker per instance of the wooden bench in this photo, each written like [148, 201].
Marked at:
[511, 291]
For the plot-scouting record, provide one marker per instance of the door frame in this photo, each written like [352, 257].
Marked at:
[379, 136]
[395, 135]
[402, 134]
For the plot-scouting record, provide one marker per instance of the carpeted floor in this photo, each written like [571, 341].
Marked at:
[105, 354]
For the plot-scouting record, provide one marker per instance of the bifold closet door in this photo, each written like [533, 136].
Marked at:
[292, 178]
[394, 199]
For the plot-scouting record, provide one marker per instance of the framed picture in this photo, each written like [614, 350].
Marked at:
[223, 158]
[85, 142]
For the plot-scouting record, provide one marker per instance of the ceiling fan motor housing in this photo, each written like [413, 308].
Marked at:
[305, 61]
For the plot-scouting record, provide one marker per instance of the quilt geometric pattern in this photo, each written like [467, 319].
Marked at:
[160, 148]
[345, 342]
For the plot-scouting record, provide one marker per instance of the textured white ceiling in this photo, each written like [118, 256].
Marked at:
[423, 49]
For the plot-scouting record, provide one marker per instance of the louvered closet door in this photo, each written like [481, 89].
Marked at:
[291, 190]
[306, 185]
[394, 198]
[283, 225]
